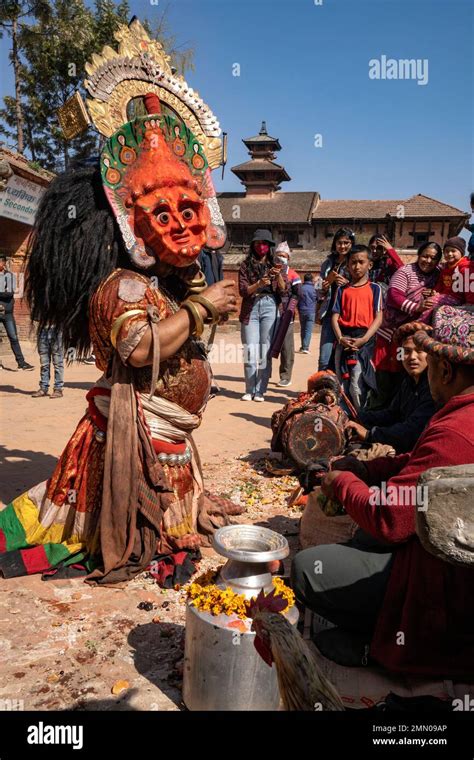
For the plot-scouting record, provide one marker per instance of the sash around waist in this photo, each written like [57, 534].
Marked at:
[167, 421]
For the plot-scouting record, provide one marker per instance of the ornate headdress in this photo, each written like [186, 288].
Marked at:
[147, 111]
[451, 335]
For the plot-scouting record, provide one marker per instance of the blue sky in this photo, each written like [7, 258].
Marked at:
[304, 69]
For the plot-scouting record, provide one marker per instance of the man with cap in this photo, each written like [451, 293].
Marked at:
[289, 302]
[387, 596]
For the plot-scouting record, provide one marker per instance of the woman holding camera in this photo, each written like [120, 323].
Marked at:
[260, 286]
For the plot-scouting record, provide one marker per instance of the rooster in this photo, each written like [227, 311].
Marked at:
[302, 684]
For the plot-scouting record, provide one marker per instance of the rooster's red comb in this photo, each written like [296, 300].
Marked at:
[271, 602]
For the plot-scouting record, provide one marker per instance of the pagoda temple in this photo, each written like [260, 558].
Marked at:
[261, 175]
[308, 222]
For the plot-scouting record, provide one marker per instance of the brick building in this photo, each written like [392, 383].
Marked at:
[21, 188]
[304, 219]
[308, 221]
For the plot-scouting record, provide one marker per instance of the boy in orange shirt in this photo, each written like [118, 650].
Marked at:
[356, 317]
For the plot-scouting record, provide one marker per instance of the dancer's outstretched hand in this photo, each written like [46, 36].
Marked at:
[223, 295]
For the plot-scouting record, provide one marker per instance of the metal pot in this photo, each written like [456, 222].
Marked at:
[222, 669]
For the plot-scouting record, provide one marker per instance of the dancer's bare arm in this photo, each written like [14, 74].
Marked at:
[175, 330]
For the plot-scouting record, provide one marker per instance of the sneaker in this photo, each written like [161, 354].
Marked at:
[39, 393]
[246, 397]
[258, 397]
[284, 383]
[57, 393]
[305, 351]
[26, 366]
[89, 360]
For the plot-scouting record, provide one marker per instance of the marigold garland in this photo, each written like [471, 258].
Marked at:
[207, 597]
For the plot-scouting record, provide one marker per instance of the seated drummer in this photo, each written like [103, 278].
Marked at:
[402, 423]
[391, 600]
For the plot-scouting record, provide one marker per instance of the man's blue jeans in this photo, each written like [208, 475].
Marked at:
[256, 337]
[10, 329]
[50, 348]
[306, 326]
[326, 343]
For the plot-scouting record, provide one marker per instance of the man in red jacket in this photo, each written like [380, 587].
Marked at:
[388, 597]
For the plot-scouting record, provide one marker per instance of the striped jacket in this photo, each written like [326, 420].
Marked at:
[404, 296]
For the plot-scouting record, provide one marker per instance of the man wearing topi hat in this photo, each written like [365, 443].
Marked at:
[406, 609]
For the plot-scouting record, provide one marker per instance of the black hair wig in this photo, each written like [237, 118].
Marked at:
[74, 245]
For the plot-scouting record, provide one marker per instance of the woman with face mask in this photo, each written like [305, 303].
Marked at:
[260, 286]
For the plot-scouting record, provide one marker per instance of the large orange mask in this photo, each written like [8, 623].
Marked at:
[158, 183]
[173, 223]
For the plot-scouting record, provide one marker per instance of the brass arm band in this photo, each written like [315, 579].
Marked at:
[214, 316]
[119, 322]
[196, 318]
[197, 283]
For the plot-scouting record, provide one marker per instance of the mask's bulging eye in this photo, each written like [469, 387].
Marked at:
[188, 214]
[163, 218]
